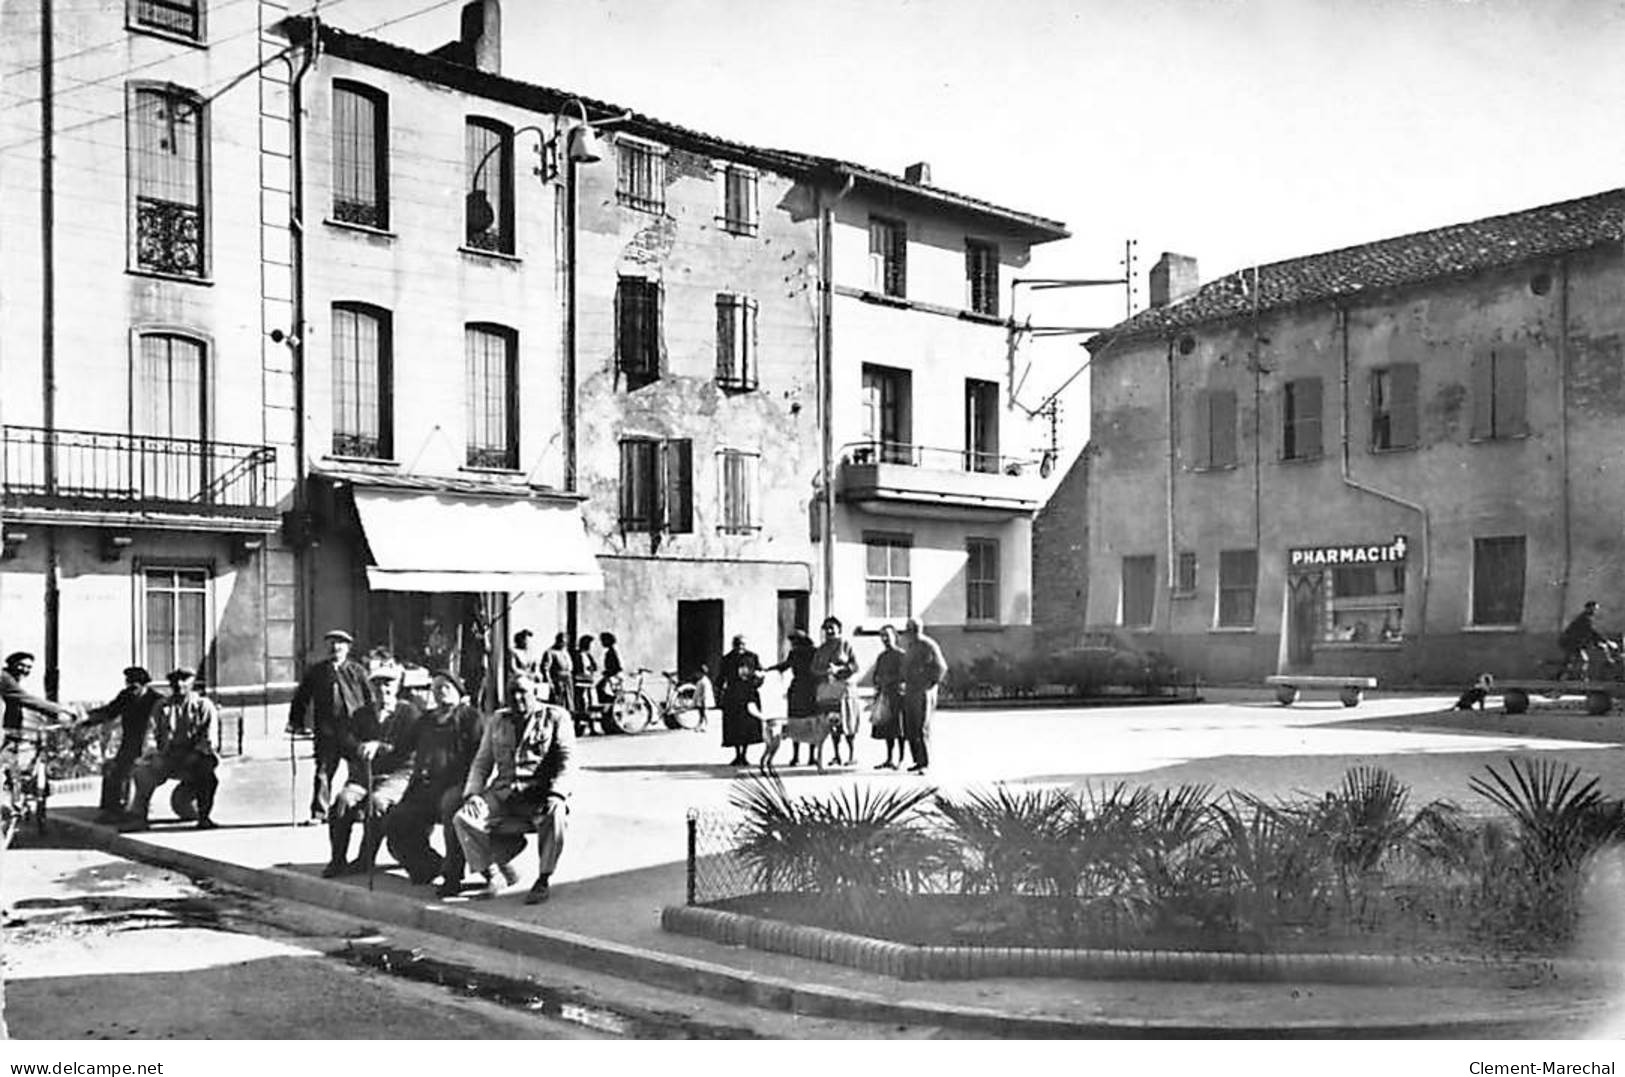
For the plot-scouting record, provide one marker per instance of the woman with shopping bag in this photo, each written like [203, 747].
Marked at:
[834, 665]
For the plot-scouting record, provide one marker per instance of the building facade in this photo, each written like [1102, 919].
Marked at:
[1394, 459]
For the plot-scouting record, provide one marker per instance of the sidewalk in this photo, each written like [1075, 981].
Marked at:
[620, 870]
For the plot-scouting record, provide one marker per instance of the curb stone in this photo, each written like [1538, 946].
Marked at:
[706, 979]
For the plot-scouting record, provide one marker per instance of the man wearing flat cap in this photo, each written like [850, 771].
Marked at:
[134, 707]
[187, 729]
[376, 746]
[330, 694]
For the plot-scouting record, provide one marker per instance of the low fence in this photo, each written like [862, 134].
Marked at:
[716, 871]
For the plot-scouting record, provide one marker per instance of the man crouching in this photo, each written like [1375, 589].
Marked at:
[521, 777]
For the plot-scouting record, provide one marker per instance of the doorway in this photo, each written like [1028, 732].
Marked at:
[1303, 618]
[699, 636]
[793, 615]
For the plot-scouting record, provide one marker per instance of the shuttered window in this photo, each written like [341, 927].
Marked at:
[657, 486]
[637, 330]
[640, 177]
[739, 212]
[1498, 391]
[1498, 580]
[1238, 588]
[982, 277]
[1300, 419]
[490, 354]
[736, 342]
[360, 155]
[737, 475]
[888, 255]
[1139, 590]
[1394, 407]
[1185, 573]
[1214, 429]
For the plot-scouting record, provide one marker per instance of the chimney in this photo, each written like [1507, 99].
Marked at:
[481, 39]
[1173, 278]
[919, 172]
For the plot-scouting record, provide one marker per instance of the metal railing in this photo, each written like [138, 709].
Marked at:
[169, 237]
[910, 455]
[85, 466]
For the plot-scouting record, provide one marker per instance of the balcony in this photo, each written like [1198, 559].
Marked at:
[902, 479]
[89, 471]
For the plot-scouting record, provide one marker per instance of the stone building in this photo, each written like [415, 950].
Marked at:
[1397, 459]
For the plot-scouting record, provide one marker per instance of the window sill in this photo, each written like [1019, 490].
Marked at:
[1138, 630]
[494, 256]
[1294, 461]
[1232, 630]
[364, 461]
[737, 228]
[1494, 439]
[476, 469]
[165, 35]
[1359, 645]
[1392, 449]
[363, 229]
[737, 386]
[1214, 469]
[178, 278]
[982, 626]
[885, 300]
[747, 529]
[1492, 629]
[626, 201]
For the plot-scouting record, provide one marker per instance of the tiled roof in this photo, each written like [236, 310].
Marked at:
[1490, 243]
[539, 98]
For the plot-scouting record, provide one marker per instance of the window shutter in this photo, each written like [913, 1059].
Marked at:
[1202, 429]
[727, 368]
[1223, 432]
[677, 501]
[1482, 386]
[1402, 405]
[1510, 399]
[1309, 411]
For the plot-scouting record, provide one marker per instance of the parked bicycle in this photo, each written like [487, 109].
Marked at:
[633, 710]
[27, 783]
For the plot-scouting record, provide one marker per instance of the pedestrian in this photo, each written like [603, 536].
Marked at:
[923, 670]
[609, 679]
[443, 748]
[833, 666]
[584, 679]
[801, 700]
[475, 654]
[522, 658]
[556, 672]
[329, 695]
[521, 775]
[133, 706]
[1578, 638]
[186, 727]
[739, 681]
[376, 747]
[886, 713]
[19, 664]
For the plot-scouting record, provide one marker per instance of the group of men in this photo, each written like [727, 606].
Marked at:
[161, 737]
[413, 764]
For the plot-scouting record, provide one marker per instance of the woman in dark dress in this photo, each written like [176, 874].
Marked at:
[887, 710]
[739, 679]
[802, 699]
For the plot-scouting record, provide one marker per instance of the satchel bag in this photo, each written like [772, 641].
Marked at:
[829, 696]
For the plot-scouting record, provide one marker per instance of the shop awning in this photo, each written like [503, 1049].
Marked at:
[437, 542]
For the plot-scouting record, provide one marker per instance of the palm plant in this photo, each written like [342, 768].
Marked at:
[1177, 860]
[1272, 857]
[1362, 822]
[999, 836]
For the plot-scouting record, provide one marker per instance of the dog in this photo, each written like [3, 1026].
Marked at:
[1475, 696]
[809, 731]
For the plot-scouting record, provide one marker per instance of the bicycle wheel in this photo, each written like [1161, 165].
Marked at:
[631, 713]
[42, 790]
[683, 712]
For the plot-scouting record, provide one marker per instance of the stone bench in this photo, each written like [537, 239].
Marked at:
[1350, 689]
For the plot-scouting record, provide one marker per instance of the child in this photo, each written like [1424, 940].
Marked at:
[1475, 696]
[704, 696]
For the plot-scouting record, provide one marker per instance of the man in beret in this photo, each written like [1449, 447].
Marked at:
[443, 746]
[17, 699]
[376, 746]
[330, 694]
[134, 707]
[187, 729]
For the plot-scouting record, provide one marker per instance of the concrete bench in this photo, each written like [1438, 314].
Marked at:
[1349, 689]
[1599, 695]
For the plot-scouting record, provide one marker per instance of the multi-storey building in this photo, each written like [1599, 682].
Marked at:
[1395, 459]
[148, 411]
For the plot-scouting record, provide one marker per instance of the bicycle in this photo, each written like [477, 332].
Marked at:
[27, 783]
[632, 710]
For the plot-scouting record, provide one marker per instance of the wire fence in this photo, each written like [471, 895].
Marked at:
[716, 870]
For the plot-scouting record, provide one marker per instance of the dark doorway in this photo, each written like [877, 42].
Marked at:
[699, 636]
[793, 614]
[1303, 619]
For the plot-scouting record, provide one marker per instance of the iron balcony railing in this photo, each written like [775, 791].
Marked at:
[91, 468]
[910, 455]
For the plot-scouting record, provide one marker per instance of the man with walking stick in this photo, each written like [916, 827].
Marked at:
[329, 696]
[377, 751]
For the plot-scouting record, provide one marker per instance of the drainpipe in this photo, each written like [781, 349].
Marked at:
[826, 377]
[47, 164]
[304, 594]
[1342, 317]
[568, 410]
[1173, 466]
[1563, 427]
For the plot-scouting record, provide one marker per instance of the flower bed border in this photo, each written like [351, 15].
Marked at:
[906, 961]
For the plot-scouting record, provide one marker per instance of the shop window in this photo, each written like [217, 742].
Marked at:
[982, 580]
[1393, 407]
[1185, 573]
[1300, 419]
[657, 485]
[1367, 604]
[360, 155]
[1139, 590]
[888, 585]
[1498, 578]
[175, 619]
[1215, 429]
[1238, 588]
[1498, 391]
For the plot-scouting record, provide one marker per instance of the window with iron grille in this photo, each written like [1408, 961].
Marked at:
[640, 176]
[488, 213]
[1139, 596]
[1498, 388]
[739, 213]
[1185, 573]
[183, 18]
[888, 585]
[1393, 406]
[360, 155]
[982, 276]
[637, 330]
[1214, 431]
[167, 131]
[1498, 579]
[981, 580]
[736, 342]
[738, 476]
[361, 381]
[657, 485]
[1300, 419]
[888, 255]
[175, 618]
[1238, 588]
[491, 355]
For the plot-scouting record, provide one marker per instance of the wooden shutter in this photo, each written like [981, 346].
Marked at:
[1481, 386]
[677, 491]
[1223, 433]
[639, 488]
[1403, 380]
[1308, 417]
[1202, 429]
[1511, 418]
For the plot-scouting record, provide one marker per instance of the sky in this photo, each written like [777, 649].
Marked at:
[1233, 131]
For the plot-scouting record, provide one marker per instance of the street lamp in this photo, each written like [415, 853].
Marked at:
[582, 145]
